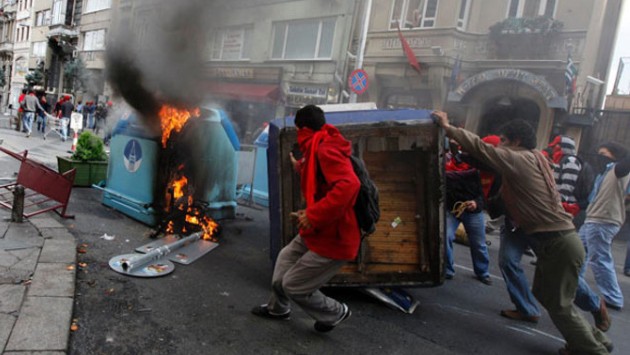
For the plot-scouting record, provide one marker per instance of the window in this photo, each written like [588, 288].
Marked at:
[303, 39]
[58, 12]
[413, 14]
[97, 5]
[42, 18]
[94, 40]
[232, 44]
[532, 8]
[39, 49]
[464, 10]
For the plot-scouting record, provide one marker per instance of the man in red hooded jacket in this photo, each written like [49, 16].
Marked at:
[329, 234]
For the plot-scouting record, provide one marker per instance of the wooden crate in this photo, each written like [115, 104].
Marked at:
[405, 161]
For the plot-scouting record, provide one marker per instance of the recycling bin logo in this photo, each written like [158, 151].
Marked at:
[132, 156]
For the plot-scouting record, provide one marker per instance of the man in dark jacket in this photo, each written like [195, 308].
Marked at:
[329, 234]
[465, 203]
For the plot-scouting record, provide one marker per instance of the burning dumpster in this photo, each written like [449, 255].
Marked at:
[402, 150]
[179, 178]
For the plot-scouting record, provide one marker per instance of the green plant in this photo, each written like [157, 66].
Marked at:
[36, 76]
[513, 25]
[89, 148]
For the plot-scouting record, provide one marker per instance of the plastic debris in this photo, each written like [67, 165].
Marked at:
[396, 222]
[108, 237]
[70, 267]
[74, 326]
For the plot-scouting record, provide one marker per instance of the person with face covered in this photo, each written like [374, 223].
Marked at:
[329, 234]
[605, 215]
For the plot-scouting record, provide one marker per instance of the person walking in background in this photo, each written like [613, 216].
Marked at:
[90, 108]
[329, 234]
[533, 204]
[465, 203]
[605, 215]
[19, 127]
[29, 105]
[42, 118]
[79, 109]
[65, 110]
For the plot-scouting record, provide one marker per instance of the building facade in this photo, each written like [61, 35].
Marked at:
[59, 42]
[487, 62]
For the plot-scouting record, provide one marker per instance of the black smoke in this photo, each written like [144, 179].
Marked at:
[155, 55]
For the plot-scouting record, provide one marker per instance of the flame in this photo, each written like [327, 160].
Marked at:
[172, 118]
[183, 201]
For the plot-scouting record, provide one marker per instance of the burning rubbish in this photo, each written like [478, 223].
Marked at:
[158, 257]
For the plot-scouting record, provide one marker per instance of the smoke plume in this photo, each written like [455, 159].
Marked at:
[155, 56]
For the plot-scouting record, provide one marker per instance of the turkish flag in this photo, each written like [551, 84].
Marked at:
[413, 61]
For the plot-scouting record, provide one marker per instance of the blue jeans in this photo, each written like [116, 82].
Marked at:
[597, 239]
[474, 225]
[64, 127]
[27, 121]
[626, 266]
[513, 245]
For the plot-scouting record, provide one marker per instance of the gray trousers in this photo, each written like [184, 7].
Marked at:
[298, 276]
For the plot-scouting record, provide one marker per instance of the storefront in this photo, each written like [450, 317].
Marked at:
[250, 95]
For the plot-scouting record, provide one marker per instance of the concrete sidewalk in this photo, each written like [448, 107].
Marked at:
[37, 283]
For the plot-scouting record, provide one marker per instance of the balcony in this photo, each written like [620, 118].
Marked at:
[6, 47]
[62, 31]
[524, 38]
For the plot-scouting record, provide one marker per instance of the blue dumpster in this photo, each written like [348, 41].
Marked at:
[210, 145]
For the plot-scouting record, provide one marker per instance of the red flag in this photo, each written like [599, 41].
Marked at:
[413, 61]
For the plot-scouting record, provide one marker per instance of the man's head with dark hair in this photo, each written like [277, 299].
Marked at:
[24, 91]
[617, 150]
[310, 116]
[519, 131]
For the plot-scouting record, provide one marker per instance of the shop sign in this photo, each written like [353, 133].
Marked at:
[300, 95]
[232, 73]
[414, 42]
[539, 83]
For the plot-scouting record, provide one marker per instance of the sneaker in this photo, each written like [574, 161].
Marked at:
[263, 311]
[486, 280]
[515, 314]
[449, 276]
[602, 319]
[626, 272]
[323, 328]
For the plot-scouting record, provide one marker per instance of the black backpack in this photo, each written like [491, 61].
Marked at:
[366, 207]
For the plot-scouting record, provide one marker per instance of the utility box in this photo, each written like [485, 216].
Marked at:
[403, 152]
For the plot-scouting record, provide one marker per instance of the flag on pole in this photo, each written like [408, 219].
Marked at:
[411, 57]
[570, 75]
[455, 73]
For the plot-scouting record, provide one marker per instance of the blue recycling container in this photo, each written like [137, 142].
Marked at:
[211, 147]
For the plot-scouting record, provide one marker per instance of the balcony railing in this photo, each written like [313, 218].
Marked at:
[61, 30]
[91, 56]
[6, 46]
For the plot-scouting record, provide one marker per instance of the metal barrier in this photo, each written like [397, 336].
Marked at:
[45, 189]
[55, 125]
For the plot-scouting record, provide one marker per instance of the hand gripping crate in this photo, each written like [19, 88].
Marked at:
[403, 151]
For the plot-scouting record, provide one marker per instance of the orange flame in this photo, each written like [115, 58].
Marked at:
[184, 200]
[172, 118]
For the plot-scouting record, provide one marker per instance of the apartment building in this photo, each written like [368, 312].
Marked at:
[63, 40]
[485, 77]
[267, 58]
[7, 26]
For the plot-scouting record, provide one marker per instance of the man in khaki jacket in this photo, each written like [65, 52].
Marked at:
[533, 205]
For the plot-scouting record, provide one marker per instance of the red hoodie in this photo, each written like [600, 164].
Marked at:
[330, 200]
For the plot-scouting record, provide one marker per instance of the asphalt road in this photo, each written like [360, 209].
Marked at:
[203, 308]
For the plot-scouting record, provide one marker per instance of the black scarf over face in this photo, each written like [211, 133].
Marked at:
[601, 163]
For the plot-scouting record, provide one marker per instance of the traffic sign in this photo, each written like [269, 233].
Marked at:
[358, 81]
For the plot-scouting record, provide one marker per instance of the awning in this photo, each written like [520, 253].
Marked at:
[244, 92]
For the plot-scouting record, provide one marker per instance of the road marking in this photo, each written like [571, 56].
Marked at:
[469, 269]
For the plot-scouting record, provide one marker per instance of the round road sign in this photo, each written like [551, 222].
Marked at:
[358, 81]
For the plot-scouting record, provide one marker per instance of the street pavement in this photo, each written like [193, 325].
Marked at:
[203, 308]
[37, 260]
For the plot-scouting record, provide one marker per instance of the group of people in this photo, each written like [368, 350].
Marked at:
[35, 109]
[543, 205]
[538, 194]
